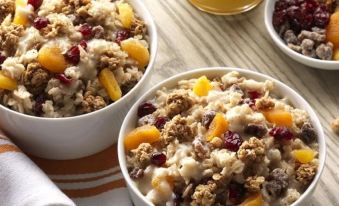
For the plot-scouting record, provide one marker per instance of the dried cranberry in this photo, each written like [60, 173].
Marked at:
[35, 3]
[86, 31]
[40, 22]
[160, 122]
[83, 44]
[2, 58]
[158, 159]
[145, 109]
[279, 18]
[122, 35]
[281, 133]
[39, 100]
[321, 17]
[73, 55]
[63, 79]
[254, 94]
[255, 130]
[177, 200]
[236, 192]
[232, 141]
[207, 118]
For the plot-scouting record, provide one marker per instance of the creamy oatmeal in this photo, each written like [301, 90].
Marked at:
[222, 141]
[63, 58]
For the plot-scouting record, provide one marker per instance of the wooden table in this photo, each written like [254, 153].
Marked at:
[189, 38]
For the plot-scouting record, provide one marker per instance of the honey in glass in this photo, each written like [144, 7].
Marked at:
[225, 7]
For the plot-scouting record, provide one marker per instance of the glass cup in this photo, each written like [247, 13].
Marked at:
[225, 7]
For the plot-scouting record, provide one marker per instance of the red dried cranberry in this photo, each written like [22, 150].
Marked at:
[86, 31]
[40, 22]
[232, 141]
[63, 79]
[279, 18]
[122, 35]
[83, 44]
[236, 192]
[145, 109]
[158, 159]
[281, 133]
[160, 122]
[254, 94]
[2, 58]
[321, 17]
[73, 55]
[35, 3]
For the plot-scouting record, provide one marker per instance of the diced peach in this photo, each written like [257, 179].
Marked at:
[336, 54]
[279, 117]
[126, 14]
[136, 50]
[51, 58]
[202, 86]
[218, 126]
[145, 134]
[20, 18]
[304, 155]
[254, 200]
[108, 81]
[332, 30]
[7, 82]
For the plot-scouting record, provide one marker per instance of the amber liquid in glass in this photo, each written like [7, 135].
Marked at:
[225, 7]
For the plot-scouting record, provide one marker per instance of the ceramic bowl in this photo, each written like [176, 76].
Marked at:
[78, 136]
[311, 62]
[280, 88]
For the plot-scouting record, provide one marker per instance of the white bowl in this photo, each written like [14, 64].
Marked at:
[79, 136]
[280, 88]
[312, 62]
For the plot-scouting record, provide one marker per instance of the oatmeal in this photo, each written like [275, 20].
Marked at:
[61, 58]
[308, 27]
[222, 141]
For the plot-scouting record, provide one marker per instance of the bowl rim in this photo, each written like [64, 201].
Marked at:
[152, 32]
[279, 41]
[255, 75]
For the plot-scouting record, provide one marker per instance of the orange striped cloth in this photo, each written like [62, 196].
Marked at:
[93, 180]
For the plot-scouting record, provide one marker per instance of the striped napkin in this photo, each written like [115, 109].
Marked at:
[90, 181]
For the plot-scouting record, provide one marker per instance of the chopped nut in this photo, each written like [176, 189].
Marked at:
[294, 47]
[204, 195]
[136, 173]
[290, 37]
[319, 30]
[141, 156]
[305, 173]
[148, 119]
[314, 36]
[9, 37]
[335, 125]
[92, 103]
[325, 51]
[138, 27]
[200, 148]
[253, 184]
[252, 150]
[207, 118]
[178, 102]
[264, 103]
[307, 48]
[177, 128]
[35, 78]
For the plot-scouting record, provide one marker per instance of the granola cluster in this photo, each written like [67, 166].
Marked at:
[221, 141]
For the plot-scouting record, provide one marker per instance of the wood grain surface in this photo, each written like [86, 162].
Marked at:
[189, 38]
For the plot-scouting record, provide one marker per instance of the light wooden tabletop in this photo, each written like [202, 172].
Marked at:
[189, 38]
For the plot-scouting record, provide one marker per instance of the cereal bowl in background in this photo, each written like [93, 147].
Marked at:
[311, 62]
[83, 135]
[280, 89]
